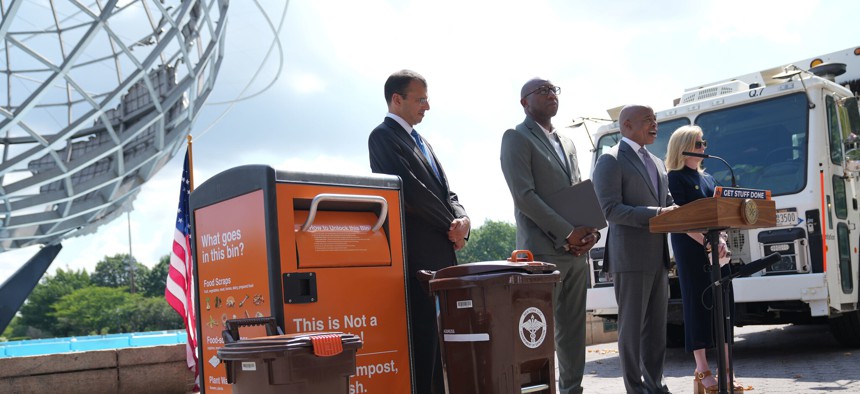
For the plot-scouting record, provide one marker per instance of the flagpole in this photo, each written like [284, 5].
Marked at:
[190, 280]
[190, 166]
[179, 291]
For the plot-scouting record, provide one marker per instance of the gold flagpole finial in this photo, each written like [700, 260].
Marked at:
[190, 165]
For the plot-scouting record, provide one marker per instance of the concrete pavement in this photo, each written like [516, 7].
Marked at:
[773, 359]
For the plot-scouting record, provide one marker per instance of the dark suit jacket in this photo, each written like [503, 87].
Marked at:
[429, 204]
[629, 202]
[534, 171]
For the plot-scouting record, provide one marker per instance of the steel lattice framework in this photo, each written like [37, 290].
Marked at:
[98, 97]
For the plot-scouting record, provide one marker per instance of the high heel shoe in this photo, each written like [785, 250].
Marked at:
[699, 387]
[738, 387]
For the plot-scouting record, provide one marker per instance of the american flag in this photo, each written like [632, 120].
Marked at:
[179, 282]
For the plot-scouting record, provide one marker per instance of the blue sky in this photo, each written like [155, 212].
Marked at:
[475, 55]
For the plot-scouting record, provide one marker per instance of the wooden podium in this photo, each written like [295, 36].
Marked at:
[715, 213]
[711, 216]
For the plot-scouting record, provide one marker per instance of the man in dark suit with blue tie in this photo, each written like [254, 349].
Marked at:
[632, 187]
[435, 222]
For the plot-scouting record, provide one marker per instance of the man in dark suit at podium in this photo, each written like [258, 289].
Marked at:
[632, 187]
[436, 224]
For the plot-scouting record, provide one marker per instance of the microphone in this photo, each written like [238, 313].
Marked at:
[704, 156]
[753, 267]
[694, 154]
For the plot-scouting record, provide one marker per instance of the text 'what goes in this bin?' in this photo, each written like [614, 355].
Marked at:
[221, 246]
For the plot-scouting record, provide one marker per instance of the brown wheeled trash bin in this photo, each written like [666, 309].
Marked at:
[306, 363]
[495, 324]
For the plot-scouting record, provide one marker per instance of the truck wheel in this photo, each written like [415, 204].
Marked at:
[674, 335]
[846, 329]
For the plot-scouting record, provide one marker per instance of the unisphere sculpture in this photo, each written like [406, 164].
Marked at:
[97, 96]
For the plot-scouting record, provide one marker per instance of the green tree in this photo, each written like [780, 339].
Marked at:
[93, 310]
[9, 333]
[37, 312]
[113, 271]
[154, 283]
[494, 240]
[148, 314]
[16, 331]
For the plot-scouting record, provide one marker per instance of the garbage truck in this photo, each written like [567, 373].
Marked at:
[792, 130]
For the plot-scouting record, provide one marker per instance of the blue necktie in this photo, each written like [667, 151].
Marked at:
[420, 142]
[651, 167]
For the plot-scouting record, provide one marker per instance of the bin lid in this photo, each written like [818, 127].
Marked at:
[493, 267]
[322, 344]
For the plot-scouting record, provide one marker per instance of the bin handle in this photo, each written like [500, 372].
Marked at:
[231, 327]
[514, 256]
[347, 198]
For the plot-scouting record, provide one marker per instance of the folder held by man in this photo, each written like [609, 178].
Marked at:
[578, 205]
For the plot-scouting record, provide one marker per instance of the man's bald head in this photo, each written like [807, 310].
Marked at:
[539, 99]
[629, 111]
[638, 123]
[532, 85]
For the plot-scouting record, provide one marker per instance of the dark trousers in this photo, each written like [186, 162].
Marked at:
[569, 316]
[642, 308]
[426, 356]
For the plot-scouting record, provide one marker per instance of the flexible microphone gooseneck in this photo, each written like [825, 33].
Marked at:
[704, 156]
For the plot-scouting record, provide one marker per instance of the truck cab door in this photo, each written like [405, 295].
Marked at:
[841, 214]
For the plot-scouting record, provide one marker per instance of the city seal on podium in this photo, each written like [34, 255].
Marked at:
[749, 211]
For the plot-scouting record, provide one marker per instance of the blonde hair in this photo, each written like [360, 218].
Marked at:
[682, 140]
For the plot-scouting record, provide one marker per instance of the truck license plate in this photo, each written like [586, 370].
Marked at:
[786, 217]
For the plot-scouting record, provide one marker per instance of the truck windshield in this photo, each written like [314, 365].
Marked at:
[765, 142]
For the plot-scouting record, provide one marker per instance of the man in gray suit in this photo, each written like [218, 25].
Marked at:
[538, 162]
[632, 187]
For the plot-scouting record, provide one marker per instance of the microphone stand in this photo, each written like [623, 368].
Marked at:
[706, 156]
[722, 317]
[724, 285]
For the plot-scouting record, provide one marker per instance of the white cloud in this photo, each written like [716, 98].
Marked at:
[324, 164]
[774, 21]
[476, 55]
[307, 83]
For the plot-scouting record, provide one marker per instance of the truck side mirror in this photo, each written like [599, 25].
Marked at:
[852, 153]
[852, 161]
[850, 105]
[852, 141]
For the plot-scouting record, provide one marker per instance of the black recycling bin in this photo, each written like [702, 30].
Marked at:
[306, 363]
[495, 323]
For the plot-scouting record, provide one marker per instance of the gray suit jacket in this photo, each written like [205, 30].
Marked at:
[628, 202]
[533, 171]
